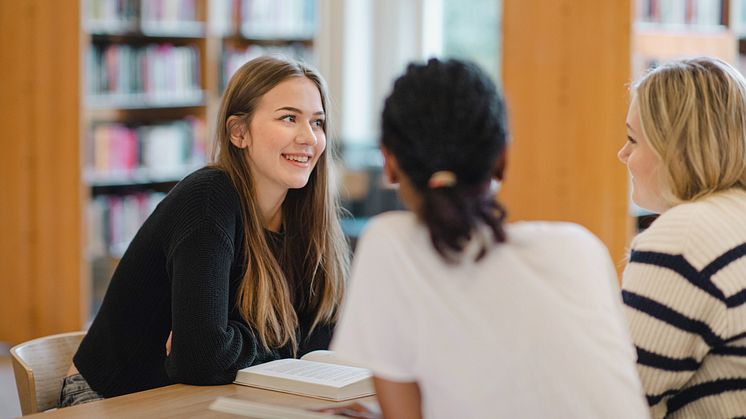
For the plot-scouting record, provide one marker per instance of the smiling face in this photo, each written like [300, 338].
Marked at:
[643, 165]
[286, 136]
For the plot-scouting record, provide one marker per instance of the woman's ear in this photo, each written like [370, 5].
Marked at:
[390, 166]
[237, 131]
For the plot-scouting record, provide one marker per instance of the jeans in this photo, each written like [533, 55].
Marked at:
[75, 390]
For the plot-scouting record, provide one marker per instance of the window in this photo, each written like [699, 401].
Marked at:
[472, 31]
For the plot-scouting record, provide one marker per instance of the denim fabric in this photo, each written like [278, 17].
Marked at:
[75, 390]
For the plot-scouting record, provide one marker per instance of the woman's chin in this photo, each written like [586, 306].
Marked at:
[653, 206]
[298, 184]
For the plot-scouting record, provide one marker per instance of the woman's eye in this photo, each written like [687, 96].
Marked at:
[631, 140]
[319, 123]
[288, 118]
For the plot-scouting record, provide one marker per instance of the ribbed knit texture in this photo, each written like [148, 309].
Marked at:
[181, 272]
[685, 297]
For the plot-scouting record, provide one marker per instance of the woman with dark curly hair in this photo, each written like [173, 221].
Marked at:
[459, 315]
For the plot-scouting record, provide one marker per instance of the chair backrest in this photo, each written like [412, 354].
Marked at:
[39, 366]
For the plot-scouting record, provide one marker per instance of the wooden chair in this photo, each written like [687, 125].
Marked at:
[39, 366]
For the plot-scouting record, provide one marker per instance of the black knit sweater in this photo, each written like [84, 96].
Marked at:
[181, 272]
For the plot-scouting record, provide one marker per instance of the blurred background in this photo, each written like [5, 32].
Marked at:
[106, 104]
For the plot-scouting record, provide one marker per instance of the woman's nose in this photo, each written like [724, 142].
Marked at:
[623, 153]
[307, 136]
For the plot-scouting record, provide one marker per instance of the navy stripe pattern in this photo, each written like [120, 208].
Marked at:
[681, 391]
[668, 315]
[655, 399]
[663, 362]
[730, 351]
[678, 264]
[698, 391]
[700, 279]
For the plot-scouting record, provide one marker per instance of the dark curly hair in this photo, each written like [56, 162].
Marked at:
[448, 115]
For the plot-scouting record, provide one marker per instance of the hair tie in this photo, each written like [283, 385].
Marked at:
[442, 179]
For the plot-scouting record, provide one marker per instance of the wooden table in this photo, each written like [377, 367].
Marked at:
[182, 401]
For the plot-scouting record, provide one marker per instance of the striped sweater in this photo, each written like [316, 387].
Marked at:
[684, 291]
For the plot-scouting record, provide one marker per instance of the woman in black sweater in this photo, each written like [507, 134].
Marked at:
[243, 262]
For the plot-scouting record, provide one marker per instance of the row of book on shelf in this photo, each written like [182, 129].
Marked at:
[158, 70]
[120, 153]
[259, 19]
[278, 18]
[699, 13]
[147, 10]
[164, 73]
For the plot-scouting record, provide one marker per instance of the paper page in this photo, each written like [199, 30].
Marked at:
[317, 372]
[326, 356]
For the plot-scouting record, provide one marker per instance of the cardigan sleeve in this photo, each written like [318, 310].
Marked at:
[207, 347]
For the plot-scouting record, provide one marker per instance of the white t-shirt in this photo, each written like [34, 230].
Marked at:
[533, 330]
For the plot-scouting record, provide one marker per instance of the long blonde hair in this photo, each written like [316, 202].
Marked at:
[693, 113]
[315, 253]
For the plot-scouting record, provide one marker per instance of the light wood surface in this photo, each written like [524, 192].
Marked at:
[40, 213]
[566, 68]
[179, 401]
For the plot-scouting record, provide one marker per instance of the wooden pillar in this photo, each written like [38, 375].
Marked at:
[40, 182]
[566, 68]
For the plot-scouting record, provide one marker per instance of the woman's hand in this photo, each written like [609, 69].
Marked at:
[168, 343]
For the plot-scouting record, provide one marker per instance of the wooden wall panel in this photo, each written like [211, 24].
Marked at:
[566, 67]
[40, 182]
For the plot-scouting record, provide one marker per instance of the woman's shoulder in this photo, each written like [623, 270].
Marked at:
[208, 178]
[392, 220]
[394, 229]
[550, 232]
[206, 194]
[707, 225]
[551, 243]
[207, 184]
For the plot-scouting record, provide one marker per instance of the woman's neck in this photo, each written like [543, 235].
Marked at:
[270, 204]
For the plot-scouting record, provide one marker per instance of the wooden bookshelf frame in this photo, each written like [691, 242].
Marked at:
[40, 217]
[566, 67]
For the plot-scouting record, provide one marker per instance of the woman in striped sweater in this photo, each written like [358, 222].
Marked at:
[684, 288]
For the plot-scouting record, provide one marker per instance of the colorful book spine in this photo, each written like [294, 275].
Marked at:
[145, 153]
[156, 70]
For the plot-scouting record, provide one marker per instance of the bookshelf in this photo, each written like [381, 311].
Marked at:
[154, 73]
[144, 110]
[669, 29]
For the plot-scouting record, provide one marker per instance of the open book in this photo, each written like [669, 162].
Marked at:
[317, 374]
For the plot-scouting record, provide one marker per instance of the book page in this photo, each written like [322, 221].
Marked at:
[329, 357]
[318, 372]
